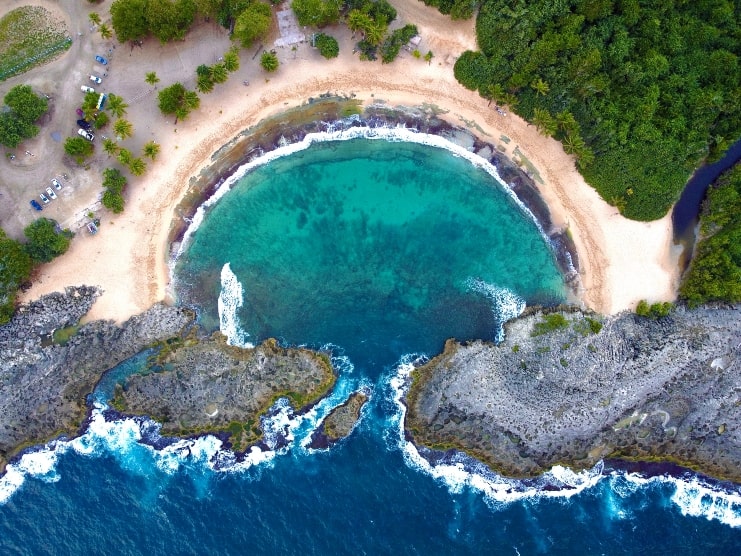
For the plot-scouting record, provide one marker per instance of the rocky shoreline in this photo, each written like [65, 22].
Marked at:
[340, 422]
[44, 382]
[575, 388]
[206, 386]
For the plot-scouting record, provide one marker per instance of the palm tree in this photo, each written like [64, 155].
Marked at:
[269, 61]
[566, 122]
[540, 86]
[231, 61]
[116, 105]
[110, 147]
[123, 128]
[204, 84]
[357, 20]
[191, 100]
[619, 203]
[429, 56]
[137, 166]
[151, 149]
[94, 18]
[105, 31]
[573, 143]
[509, 99]
[181, 112]
[124, 157]
[219, 73]
[494, 92]
[375, 32]
[545, 123]
[203, 69]
[152, 79]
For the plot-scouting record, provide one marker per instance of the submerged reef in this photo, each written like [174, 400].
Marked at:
[50, 362]
[573, 388]
[206, 385]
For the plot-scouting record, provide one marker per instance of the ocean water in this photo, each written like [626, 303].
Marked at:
[377, 251]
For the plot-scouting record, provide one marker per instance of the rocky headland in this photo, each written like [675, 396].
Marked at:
[572, 388]
[199, 386]
[340, 422]
[50, 363]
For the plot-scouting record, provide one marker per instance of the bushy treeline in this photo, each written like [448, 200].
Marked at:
[457, 9]
[22, 109]
[640, 92]
[171, 19]
[715, 271]
[45, 242]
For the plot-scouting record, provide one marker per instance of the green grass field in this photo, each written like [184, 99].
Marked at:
[29, 35]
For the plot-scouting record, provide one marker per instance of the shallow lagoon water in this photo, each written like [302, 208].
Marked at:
[376, 251]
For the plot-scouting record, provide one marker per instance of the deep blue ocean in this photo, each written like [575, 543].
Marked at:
[377, 251]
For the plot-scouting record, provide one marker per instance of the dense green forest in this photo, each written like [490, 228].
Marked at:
[640, 92]
[715, 271]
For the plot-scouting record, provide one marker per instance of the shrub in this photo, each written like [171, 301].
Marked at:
[327, 45]
[550, 323]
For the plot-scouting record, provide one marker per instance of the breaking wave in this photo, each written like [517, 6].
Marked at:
[231, 299]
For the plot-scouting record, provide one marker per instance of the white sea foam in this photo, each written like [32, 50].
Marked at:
[506, 304]
[231, 299]
[338, 133]
[458, 476]
[695, 498]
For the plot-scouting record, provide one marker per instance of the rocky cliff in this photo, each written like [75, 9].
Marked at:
[209, 386]
[573, 388]
[44, 381]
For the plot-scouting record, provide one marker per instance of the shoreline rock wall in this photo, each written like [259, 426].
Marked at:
[666, 389]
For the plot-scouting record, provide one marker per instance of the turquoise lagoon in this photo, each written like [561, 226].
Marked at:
[377, 250]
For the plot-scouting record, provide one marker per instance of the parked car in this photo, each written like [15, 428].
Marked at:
[50, 193]
[95, 79]
[86, 89]
[84, 124]
[57, 185]
[101, 60]
[80, 112]
[35, 204]
[44, 198]
[86, 134]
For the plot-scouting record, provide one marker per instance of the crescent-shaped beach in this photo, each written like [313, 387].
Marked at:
[620, 261]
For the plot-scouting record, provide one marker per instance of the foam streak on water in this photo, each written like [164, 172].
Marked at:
[506, 304]
[231, 299]
[692, 496]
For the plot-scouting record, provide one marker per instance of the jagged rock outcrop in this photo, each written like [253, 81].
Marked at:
[340, 422]
[665, 389]
[43, 384]
[209, 386]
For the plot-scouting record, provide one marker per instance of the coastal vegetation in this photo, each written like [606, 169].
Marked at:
[29, 36]
[78, 148]
[22, 109]
[46, 240]
[15, 268]
[269, 61]
[715, 271]
[113, 184]
[640, 94]
[178, 100]
[327, 45]
[253, 23]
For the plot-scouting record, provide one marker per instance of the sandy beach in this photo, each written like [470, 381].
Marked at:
[620, 261]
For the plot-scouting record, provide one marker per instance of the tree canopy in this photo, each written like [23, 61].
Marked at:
[715, 271]
[269, 61]
[178, 100]
[327, 45]
[113, 184]
[45, 242]
[15, 268]
[253, 23]
[24, 107]
[78, 148]
[652, 88]
[317, 13]
[165, 19]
